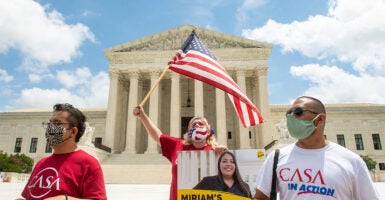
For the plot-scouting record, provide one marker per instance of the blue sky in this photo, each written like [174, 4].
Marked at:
[52, 51]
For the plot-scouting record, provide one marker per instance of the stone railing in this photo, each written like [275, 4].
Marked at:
[14, 177]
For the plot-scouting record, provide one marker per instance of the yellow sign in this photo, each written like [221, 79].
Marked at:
[191, 194]
[260, 154]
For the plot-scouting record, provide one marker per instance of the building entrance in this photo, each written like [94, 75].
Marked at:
[184, 125]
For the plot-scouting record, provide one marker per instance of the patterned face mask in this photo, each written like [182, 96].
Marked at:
[198, 133]
[54, 134]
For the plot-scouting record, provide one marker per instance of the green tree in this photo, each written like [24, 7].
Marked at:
[370, 163]
[19, 163]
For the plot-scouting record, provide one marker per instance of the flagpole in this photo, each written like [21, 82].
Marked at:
[154, 86]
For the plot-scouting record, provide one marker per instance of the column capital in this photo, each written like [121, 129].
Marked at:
[154, 74]
[240, 73]
[261, 71]
[133, 75]
[175, 75]
[114, 74]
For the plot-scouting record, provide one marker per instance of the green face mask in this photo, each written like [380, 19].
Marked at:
[298, 128]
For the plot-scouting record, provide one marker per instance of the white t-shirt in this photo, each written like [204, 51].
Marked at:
[332, 172]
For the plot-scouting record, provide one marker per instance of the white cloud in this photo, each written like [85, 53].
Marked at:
[71, 79]
[42, 36]
[45, 98]
[4, 77]
[38, 77]
[352, 32]
[244, 11]
[334, 85]
[86, 90]
[34, 78]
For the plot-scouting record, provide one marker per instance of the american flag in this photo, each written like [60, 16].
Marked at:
[195, 60]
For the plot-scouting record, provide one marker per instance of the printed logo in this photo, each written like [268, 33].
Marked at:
[312, 181]
[44, 182]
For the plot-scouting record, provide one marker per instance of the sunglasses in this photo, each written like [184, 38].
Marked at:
[298, 111]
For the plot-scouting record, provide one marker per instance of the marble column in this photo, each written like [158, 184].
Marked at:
[112, 130]
[265, 136]
[244, 141]
[153, 111]
[220, 104]
[131, 120]
[175, 123]
[198, 98]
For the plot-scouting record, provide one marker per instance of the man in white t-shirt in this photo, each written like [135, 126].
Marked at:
[312, 167]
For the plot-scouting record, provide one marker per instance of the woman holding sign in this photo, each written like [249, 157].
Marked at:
[198, 137]
[228, 179]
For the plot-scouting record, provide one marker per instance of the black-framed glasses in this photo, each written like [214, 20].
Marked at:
[46, 124]
[298, 111]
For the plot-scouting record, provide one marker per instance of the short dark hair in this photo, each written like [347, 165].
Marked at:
[317, 103]
[75, 119]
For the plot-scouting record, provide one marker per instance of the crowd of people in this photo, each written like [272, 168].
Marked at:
[310, 168]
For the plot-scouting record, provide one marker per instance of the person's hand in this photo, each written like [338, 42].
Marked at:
[138, 112]
[219, 149]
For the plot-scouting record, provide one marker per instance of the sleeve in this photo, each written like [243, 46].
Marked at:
[202, 185]
[363, 184]
[169, 145]
[94, 187]
[24, 193]
[263, 182]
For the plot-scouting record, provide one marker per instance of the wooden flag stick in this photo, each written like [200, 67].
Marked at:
[154, 86]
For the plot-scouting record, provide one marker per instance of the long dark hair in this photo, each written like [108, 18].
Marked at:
[236, 176]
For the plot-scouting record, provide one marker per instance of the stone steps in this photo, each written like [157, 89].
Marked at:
[126, 168]
[137, 174]
[136, 159]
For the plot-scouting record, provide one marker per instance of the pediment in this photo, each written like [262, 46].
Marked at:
[174, 38]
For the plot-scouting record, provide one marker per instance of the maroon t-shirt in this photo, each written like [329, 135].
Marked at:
[76, 174]
[170, 148]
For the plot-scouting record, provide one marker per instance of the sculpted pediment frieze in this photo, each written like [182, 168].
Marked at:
[174, 38]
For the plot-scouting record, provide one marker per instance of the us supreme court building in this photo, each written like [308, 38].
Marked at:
[121, 143]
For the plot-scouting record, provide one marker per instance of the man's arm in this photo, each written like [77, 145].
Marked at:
[260, 196]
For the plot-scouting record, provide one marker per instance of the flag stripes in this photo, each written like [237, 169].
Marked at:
[197, 62]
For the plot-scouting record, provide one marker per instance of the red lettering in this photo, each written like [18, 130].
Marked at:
[307, 173]
[281, 172]
[296, 172]
[319, 174]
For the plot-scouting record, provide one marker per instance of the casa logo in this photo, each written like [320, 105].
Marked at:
[44, 182]
[306, 181]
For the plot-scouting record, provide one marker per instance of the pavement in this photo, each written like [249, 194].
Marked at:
[11, 191]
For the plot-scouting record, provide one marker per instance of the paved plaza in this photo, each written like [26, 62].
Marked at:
[11, 191]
